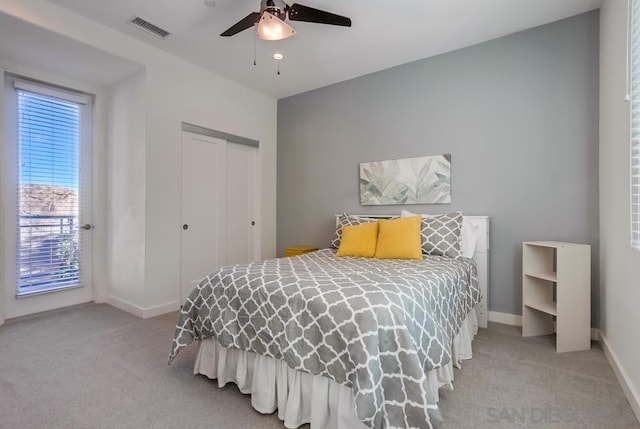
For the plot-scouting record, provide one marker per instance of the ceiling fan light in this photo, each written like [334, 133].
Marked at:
[273, 28]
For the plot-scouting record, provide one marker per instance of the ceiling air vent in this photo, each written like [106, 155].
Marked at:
[149, 27]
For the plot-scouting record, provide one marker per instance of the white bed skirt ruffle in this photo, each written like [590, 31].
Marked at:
[303, 398]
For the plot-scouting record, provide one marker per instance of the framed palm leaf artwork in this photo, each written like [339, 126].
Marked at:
[424, 180]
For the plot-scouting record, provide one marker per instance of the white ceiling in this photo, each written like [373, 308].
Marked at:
[28, 45]
[384, 34]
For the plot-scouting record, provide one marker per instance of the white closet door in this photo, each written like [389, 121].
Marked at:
[203, 179]
[219, 193]
[240, 221]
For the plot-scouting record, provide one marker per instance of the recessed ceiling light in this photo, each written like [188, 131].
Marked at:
[278, 56]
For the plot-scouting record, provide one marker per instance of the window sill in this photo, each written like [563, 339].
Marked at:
[42, 291]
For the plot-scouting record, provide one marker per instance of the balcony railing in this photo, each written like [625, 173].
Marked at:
[48, 254]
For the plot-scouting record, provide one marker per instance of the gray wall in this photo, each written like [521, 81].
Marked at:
[519, 115]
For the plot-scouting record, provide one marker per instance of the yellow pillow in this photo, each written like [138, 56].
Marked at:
[399, 238]
[359, 240]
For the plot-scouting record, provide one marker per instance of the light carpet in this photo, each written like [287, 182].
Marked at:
[93, 366]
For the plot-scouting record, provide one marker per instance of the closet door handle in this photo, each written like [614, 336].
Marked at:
[185, 226]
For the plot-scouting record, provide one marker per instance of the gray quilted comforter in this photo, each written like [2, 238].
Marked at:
[374, 325]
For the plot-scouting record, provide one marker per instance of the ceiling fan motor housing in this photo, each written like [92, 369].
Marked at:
[282, 11]
[277, 8]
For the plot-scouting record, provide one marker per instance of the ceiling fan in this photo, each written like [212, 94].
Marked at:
[272, 18]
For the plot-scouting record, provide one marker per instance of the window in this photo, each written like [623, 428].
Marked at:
[48, 133]
[635, 124]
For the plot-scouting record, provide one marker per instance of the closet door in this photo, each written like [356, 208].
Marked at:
[203, 179]
[240, 197]
[219, 194]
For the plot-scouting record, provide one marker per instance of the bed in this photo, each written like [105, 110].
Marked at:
[340, 342]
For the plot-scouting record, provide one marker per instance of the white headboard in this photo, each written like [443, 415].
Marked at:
[480, 256]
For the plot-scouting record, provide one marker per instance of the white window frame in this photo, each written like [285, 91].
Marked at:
[12, 83]
[634, 148]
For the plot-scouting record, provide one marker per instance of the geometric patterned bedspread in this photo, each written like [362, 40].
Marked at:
[375, 325]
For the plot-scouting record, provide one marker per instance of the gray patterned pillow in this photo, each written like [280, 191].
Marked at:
[347, 220]
[441, 235]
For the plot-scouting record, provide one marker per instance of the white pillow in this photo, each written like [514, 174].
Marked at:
[469, 233]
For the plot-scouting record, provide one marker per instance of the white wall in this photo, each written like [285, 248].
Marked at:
[619, 263]
[126, 196]
[175, 92]
[518, 114]
[195, 98]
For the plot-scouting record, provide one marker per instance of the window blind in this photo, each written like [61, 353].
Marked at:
[48, 253]
[635, 123]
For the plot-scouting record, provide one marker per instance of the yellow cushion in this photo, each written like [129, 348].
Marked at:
[359, 240]
[399, 238]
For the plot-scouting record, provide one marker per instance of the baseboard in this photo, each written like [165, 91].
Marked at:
[516, 320]
[505, 318]
[629, 390]
[99, 298]
[161, 309]
[143, 313]
[125, 306]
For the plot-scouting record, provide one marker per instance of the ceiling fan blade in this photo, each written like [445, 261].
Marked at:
[246, 22]
[299, 12]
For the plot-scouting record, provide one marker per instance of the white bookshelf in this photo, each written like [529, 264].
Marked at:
[565, 268]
